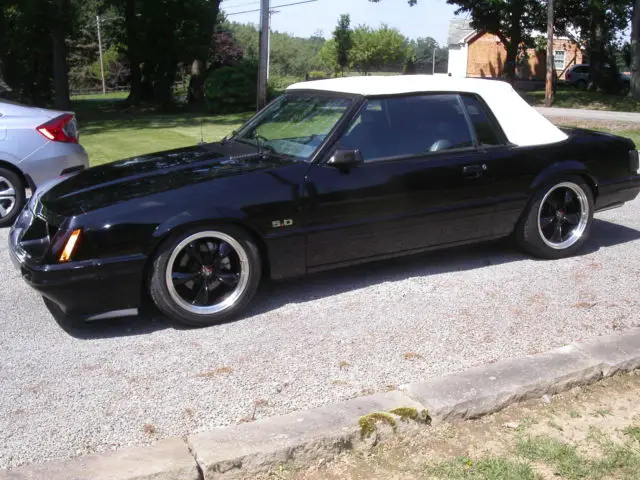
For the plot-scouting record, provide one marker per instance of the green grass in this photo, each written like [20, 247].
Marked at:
[110, 132]
[101, 97]
[484, 469]
[574, 98]
[616, 460]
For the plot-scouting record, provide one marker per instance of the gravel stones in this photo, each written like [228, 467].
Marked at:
[303, 344]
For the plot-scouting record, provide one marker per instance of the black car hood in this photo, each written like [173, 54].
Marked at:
[146, 175]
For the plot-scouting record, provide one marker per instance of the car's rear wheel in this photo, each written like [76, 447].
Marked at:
[12, 197]
[206, 275]
[558, 219]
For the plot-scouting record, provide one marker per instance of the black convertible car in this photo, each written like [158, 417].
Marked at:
[333, 172]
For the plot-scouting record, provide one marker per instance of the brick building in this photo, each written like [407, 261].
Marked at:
[482, 54]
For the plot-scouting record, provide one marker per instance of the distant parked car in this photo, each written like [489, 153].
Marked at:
[36, 145]
[578, 76]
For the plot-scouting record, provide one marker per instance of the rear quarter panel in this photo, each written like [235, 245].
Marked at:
[600, 157]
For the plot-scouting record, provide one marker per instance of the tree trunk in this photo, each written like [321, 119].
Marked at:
[510, 63]
[133, 52]
[596, 45]
[61, 98]
[512, 43]
[163, 84]
[549, 91]
[635, 52]
[4, 88]
[196, 83]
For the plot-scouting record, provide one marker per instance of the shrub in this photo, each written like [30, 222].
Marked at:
[230, 89]
[278, 83]
[317, 75]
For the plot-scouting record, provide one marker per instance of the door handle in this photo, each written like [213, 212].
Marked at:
[473, 171]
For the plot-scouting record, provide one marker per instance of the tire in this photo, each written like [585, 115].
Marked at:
[581, 84]
[206, 275]
[12, 197]
[537, 230]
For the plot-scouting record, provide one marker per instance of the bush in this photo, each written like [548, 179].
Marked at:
[232, 89]
[317, 75]
[278, 83]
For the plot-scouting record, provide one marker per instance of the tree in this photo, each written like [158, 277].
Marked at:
[512, 21]
[59, 30]
[373, 49]
[423, 48]
[595, 25]
[327, 57]
[343, 41]
[290, 56]
[635, 52]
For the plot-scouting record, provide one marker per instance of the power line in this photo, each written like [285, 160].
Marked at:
[244, 4]
[275, 6]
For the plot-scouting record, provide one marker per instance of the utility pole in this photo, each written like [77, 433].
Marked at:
[548, 93]
[263, 68]
[104, 87]
[433, 62]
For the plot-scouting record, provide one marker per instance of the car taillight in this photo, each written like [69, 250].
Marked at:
[634, 161]
[60, 129]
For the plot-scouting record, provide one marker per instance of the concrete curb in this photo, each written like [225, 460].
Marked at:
[303, 437]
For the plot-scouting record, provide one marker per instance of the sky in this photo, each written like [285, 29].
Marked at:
[430, 18]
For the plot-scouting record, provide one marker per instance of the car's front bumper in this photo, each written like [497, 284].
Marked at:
[83, 288]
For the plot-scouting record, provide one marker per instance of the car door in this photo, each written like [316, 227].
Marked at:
[423, 183]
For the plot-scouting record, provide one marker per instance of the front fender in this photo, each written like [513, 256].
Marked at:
[196, 216]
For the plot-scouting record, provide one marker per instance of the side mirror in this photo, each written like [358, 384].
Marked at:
[346, 158]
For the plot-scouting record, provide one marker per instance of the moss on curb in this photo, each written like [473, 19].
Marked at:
[368, 422]
[408, 413]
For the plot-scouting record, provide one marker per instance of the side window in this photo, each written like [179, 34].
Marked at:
[408, 126]
[485, 131]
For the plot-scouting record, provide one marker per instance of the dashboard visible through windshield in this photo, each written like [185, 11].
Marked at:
[294, 125]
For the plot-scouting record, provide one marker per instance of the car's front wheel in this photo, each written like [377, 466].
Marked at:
[12, 197]
[206, 275]
[558, 219]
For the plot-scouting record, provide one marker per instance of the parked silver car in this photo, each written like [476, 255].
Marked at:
[36, 145]
[578, 76]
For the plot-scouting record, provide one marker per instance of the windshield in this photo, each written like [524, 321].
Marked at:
[294, 125]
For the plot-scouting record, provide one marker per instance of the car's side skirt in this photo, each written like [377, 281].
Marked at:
[404, 253]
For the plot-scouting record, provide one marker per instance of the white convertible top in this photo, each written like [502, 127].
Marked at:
[522, 124]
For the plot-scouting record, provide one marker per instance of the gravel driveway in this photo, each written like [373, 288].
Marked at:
[306, 343]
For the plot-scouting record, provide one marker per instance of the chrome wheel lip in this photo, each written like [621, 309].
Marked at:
[579, 229]
[232, 298]
[7, 192]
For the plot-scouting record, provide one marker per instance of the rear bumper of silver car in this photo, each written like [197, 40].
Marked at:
[52, 160]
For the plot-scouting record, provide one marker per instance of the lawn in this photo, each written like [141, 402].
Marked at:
[574, 98]
[100, 96]
[110, 132]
